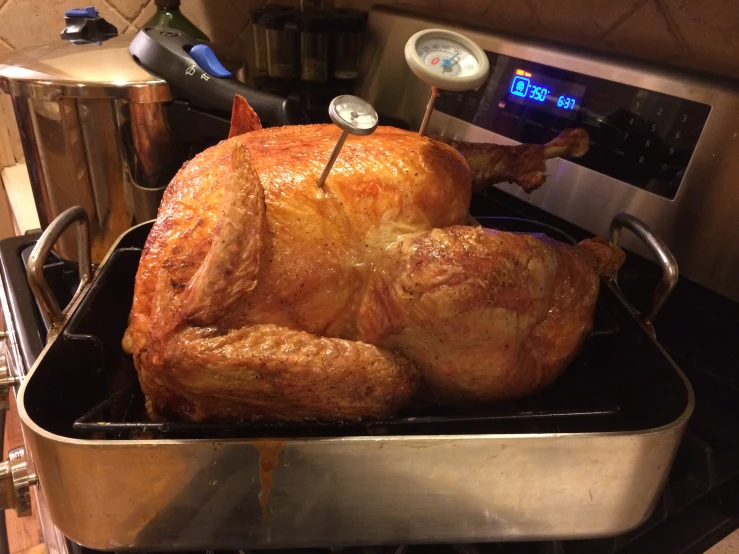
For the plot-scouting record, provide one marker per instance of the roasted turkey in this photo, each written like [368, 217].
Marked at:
[261, 295]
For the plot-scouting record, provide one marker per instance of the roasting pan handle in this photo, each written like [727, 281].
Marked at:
[45, 298]
[661, 252]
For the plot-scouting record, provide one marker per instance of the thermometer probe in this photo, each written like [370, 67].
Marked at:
[445, 60]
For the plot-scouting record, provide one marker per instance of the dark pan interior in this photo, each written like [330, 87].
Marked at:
[85, 386]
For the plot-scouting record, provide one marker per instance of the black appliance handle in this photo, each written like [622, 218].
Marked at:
[165, 52]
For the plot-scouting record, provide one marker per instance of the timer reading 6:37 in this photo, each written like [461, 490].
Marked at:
[566, 102]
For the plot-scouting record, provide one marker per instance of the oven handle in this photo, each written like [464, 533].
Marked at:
[660, 250]
[47, 303]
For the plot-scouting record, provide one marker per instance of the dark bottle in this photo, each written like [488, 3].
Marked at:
[169, 15]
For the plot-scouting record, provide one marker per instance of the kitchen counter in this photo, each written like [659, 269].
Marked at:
[729, 545]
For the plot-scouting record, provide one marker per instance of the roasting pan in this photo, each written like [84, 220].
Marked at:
[588, 457]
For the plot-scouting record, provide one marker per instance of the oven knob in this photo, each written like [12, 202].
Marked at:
[7, 380]
[16, 479]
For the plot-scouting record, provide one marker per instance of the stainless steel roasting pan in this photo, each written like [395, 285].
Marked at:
[586, 458]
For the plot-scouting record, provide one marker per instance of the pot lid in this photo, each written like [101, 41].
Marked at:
[93, 70]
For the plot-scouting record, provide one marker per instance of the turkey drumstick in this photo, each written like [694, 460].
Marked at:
[523, 164]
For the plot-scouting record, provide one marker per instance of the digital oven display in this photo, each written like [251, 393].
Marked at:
[552, 95]
[638, 136]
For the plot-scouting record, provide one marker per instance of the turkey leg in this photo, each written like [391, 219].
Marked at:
[485, 314]
[524, 164]
[280, 373]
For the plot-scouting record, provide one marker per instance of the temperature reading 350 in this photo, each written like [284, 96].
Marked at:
[538, 93]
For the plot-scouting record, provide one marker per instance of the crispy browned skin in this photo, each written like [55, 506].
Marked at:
[484, 314]
[261, 295]
[243, 118]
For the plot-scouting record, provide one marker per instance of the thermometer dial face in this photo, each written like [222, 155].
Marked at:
[353, 114]
[447, 60]
[446, 57]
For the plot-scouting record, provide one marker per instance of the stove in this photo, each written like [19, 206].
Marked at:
[699, 505]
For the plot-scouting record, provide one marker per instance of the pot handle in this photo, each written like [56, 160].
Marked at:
[175, 57]
[661, 252]
[45, 298]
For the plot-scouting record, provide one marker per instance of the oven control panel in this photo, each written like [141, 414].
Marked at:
[638, 136]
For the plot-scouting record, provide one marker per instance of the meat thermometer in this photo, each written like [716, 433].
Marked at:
[445, 60]
[353, 116]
